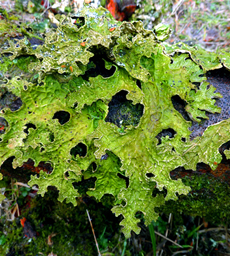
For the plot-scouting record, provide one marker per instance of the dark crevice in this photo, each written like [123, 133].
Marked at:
[157, 192]
[96, 65]
[3, 125]
[201, 166]
[62, 116]
[29, 125]
[41, 83]
[51, 137]
[23, 172]
[166, 132]
[180, 105]
[225, 146]
[80, 149]
[123, 203]
[66, 174]
[138, 82]
[150, 175]
[84, 185]
[220, 174]
[196, 84]
[78, 21]
[124, 178]
[218, 73]
[179, 170]
[139, 215]
[9, 100]
[94, 166]
[122, 112]
[75, 105]
[42, 149]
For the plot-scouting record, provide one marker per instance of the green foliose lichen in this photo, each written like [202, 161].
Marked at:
[129, 161]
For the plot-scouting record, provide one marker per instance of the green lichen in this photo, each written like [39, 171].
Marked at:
[131, 152]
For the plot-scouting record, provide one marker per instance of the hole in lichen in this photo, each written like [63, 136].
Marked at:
[139, 215]
[41, 84]
[84, 185]
[9, 100]
[42, 166]
[180, 105]
[150, 175]
[22, 173]
[62, 116]
[94, 166]
[124, 178]
[166, 132]
[96, 65]
[3, 125]
[138, 83]
[28, 126]
[122, 112]
[123, 203]
[201, 166]
[42, 149]
[51, 137]
[223, 147]
[197, 84]
[78, 21]
[180, 172]
[16, 104]
[75, 105]
[156, 192]
[183, 139]
[66, 174]
[80, 149]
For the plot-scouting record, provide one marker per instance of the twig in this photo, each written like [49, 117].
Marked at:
[159, 234]
[166, 232]
[211, 229]
[25, 185]
[197, 237]
[16, 209]
[175, 253]
[93, 233]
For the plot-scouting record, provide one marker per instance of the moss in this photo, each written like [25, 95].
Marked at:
[209, 198]
[68, 227]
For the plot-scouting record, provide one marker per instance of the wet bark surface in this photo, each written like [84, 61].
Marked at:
[220, 79]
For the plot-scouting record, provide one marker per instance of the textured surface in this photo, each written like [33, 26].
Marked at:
[220, 79]
[62, 119]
